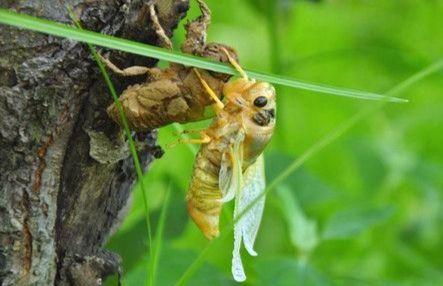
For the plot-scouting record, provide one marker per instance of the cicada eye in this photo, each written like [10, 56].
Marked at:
[261, 101]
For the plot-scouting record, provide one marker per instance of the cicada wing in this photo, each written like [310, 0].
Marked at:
[253, 197]
[249, 203]
[230, 175]
[238, 272]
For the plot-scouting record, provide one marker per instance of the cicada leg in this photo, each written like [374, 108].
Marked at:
[178, 133]
[203, 140]
[195, 41]
[206, 13]
[235, 64]
[149, 10]
[219, 105]
[166, 42]
[130, 71]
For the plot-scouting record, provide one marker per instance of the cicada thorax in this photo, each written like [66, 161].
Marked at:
[175, 96]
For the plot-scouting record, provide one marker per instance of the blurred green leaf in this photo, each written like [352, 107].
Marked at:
[287, 271]
[138, 275]
[130, 244]
[173, 263]
[418, 263]
[303, 231]
[262, 6]
[310, 189]
[157, 244]
[350, 223]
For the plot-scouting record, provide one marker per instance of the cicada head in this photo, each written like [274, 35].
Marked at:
[258, 112]
[260, 105]
[256, 99]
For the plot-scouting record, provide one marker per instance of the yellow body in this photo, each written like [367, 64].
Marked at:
[237, 118]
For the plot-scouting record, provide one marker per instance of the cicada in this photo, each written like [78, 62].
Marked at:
[229, 164]
[173, 94]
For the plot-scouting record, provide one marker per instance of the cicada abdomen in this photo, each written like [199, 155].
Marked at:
[204, 196]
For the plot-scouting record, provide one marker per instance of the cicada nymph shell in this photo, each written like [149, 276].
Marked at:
[174, 94]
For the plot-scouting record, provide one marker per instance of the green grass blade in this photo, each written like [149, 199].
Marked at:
[62, 30]
[126, 128]
[313, 150]
[320, 88]
[155, 253]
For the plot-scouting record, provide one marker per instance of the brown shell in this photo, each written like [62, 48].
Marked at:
[177, 96]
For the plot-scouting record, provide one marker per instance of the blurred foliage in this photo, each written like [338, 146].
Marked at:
[368, 209]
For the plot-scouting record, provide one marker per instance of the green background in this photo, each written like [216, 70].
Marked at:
[365, 210]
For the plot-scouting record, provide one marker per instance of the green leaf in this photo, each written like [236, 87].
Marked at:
[288, 271]
[138, 275]
[311, 189]
[174, 261]
[93, 38]
[153, 262]
[303, 231]
[350, 223]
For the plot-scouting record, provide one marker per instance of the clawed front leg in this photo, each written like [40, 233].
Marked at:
[178, 133]
[195, 41]
[130, 71]
[166, 42]
[203, 140]
[206, 13]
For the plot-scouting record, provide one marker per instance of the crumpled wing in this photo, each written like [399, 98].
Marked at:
[230, 176]
[252, 200]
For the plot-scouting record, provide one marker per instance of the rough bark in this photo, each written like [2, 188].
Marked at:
[60, 196]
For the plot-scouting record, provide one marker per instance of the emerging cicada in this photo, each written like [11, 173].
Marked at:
[174, 94]
[230, 162]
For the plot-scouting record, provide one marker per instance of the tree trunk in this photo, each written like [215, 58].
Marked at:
[61, 192]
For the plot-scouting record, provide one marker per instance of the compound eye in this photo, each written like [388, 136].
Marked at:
[261, 101]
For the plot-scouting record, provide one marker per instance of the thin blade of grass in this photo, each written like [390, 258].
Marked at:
[313, 150]
[126, 128]
[155, 253]
[62, 30]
